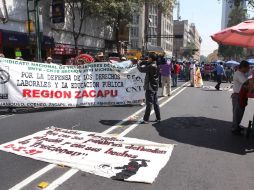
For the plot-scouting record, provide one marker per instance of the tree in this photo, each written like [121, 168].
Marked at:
[77, 11]
[118, 12]
[238, 2]
[237, 15]
[189, 50]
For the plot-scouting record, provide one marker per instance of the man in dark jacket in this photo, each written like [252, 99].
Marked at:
[151, 86]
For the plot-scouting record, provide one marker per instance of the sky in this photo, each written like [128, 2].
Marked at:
[206, 14]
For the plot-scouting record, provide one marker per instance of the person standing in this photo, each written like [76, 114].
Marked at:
[239, 79]
[220, 73]
[229, 74]
[175, 74]
[151, 86]
[49, 60]
[165, 70]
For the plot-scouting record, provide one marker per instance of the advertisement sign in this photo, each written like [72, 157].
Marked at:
[118, 158]
[32, 84]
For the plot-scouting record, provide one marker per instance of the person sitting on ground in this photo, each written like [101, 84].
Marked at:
[151, 86]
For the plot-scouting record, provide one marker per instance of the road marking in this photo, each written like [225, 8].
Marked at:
[5, 116]
[33, 177]
[72, 172]
[132, 127]
[62, 179]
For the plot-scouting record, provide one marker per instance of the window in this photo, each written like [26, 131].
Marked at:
[134, 44]
[134, 32]
[135, 19]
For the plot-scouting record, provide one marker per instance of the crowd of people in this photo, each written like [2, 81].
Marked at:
[161, 69]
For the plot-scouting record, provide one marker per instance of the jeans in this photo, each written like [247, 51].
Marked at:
[219, 81]
[174, 79]
[238, 112]
[166, 85]
[152, 101]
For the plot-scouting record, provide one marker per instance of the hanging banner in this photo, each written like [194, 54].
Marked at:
[58, 12]
[108, 156]
[30, 84]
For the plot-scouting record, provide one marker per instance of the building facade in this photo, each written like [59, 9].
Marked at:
[137, 27]
[152, 22]
[227, 7]
[57, 38]
[190, 36]
[196, 38]
[180, 28]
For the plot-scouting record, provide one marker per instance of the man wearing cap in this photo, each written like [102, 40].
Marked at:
[49, 60]
[238, 111]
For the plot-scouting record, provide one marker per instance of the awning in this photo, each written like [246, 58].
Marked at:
[19, 39]
[15, 38]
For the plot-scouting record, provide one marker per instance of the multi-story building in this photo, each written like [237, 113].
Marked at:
[137, 28]
[57, 38]
[197, 40]
[227, 7]
[190, 36]
[180, 28]
[152, 22]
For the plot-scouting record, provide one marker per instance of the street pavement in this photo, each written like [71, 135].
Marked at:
[206, 156]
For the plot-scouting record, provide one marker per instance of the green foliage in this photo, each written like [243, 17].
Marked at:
[237, 15]
[189, 50]
[117, 12]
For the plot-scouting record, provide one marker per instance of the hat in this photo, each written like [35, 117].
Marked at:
[49, 58]
[135, 58]
[123, 58]
[100, 54]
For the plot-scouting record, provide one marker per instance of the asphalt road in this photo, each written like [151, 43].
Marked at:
[207, 156]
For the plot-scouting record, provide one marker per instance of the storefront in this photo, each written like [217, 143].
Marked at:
[13, 44]
[63, 53]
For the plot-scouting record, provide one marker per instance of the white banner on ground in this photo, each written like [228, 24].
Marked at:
[112, 157]
[30, 84]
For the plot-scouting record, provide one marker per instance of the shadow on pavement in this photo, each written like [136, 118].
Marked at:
[114, 122]
[204, 132]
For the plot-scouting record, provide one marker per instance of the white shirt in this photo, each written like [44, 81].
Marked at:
[239, 79]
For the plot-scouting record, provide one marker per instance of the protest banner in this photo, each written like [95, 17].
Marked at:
[118, 158]
[31, 84]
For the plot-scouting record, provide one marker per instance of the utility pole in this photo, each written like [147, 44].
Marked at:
[38, 19]
[38, 32]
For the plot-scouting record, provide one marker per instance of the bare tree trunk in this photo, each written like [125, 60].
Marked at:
[118, 44]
